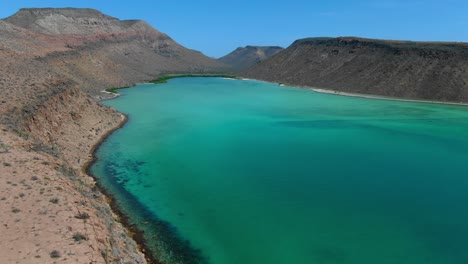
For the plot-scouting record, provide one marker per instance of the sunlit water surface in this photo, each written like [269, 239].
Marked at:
[228, 171]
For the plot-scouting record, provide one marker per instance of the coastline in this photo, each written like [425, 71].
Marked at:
[112, 95]
[379, 97]
[367, 96]
[133, 231]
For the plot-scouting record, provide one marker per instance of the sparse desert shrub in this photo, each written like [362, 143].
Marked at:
[68, 171]
[79, 237]
[43, 212]
[105, 255]
[6, 164]
[22, 134]
[4, 148]
[82, 216]
[34, 178]
[54, 200]
[50, 149]
[55, 254]
[15, 210]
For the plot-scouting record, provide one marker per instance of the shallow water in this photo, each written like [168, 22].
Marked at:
[228, 171]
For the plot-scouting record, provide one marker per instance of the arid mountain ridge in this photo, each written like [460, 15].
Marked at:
[245, 57]
[133, 49]
[47, 50]
[404, 69]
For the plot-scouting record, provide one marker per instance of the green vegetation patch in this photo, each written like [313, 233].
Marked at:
[165, 78]
[114, 89]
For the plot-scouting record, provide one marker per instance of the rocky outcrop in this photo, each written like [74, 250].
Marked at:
[245, 57]
[416, 70]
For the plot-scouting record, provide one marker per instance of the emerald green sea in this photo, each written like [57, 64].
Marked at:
[228, 171]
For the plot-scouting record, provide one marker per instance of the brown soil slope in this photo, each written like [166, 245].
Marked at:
[417, 70]
[53, 62]
[95, 50]
[245, 57]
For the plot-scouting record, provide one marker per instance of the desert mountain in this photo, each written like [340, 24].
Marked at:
[45, 50]
[245, 57]
[419, 70]
[95, 50]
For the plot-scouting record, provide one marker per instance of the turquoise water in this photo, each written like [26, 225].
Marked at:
[228, 171]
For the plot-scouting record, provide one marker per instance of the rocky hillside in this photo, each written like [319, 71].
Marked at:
[46, 51]
[245, 57]
[418, 70]
[95, 50]
[53, 62]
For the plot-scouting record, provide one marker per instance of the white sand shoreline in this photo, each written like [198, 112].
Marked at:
[368, 96]
[326, 91]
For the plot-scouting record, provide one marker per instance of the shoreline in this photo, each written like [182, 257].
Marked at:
[133, 231]
[358, 95]
[379, 97]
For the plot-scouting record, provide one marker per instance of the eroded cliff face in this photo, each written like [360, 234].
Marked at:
[70, 123]
[417, 70]
[56, 210]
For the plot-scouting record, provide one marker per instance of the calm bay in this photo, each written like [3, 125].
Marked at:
[230, 171]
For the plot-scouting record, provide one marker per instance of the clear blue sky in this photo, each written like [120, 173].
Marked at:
[217, 27]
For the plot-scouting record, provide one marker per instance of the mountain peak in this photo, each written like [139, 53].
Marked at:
[57, 21]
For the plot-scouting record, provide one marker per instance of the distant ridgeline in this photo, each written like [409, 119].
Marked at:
[245, 57]
[405, 69]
